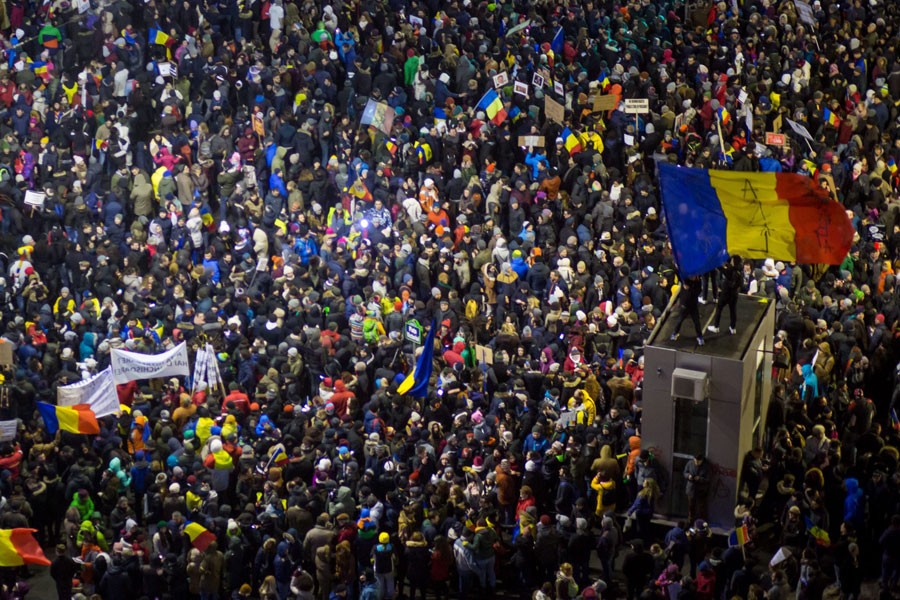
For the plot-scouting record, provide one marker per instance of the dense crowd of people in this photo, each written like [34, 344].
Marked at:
[204, 172]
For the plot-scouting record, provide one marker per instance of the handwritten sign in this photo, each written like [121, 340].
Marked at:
[555, 111]
[605, 102]
[527, 141]
[258, 127]
[8, 430]
[774, 139]
[167, 69]
[637, 106]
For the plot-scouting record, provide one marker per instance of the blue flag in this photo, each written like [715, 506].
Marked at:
[558, 41]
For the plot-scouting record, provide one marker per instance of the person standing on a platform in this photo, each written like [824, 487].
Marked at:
[689, 296]
[730, 286]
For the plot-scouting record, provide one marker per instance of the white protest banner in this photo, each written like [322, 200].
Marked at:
[98, 392]
[8, 430]
[800, 129]
[129, 366]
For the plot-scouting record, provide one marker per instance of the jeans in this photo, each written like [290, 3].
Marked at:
[487, 578]
[385, 584]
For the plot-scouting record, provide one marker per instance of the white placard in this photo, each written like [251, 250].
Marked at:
[33, 198]
[537, 81]
[98, 392]
[501, 79]
[8, 430]
[131, 366]
[167, 69]
[637, 106]
[521, 88]
[629, 139]
[559, 89]
[805, 12]
[742, 96]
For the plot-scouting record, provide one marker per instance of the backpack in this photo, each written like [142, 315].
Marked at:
[471, 309]
[608, 496]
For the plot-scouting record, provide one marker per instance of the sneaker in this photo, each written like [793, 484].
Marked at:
[713, 329]
[732, 330]
[702, 300]
[673, 337]
[700, 341]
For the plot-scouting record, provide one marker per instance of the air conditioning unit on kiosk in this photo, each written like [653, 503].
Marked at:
[693, 385]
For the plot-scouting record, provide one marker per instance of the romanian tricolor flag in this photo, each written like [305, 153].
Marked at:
[18, 547]
[74, 419]
[416, 383]
[199, 535]
[604, 82]
[831, 118]
[440, 117]
[892, 166]
[724, 115]
[739, 536]
[359, 190]
[423, 152]
[820, 535]
[712, 215]
[391, 147]
[492, 106]
[160, 38]
[571, 141]
[895, 422]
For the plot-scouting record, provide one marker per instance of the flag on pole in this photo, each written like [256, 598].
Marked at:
[18, 547]
[492, 106]
[895, 422]
[378, 115]
[739, 536]
[820, 535]
[416, 383]
[558, 42]
[74, 419]
[199, 535]
[571, 141]
[724, 115]
[160, 38]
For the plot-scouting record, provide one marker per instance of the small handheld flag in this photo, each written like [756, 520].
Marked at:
[739, 536]
[571, 141]
[492, 106]
[831, 118]
[895, 422]
[820, 535]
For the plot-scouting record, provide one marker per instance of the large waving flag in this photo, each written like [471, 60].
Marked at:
[74, 419]
[416, 383]
[492, 106]
[199, 535]
[18, 547]
[713, 214]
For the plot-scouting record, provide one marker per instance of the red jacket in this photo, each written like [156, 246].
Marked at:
[240, 400]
